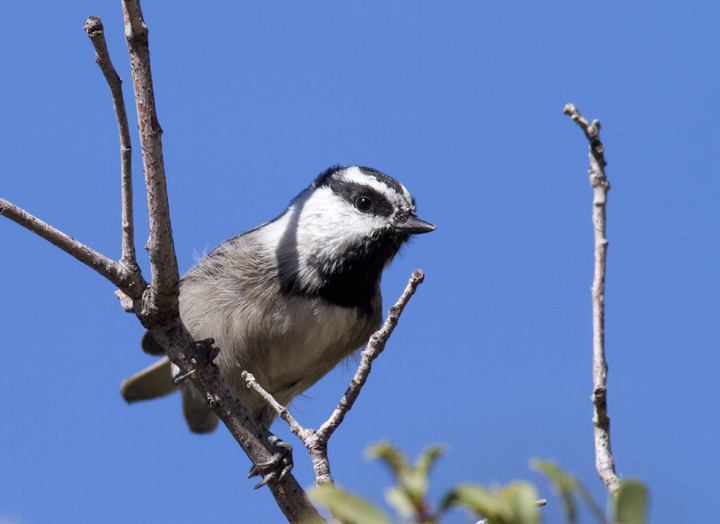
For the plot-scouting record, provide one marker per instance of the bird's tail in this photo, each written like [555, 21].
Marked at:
[198, 415]
[152, 382]
[157, 381]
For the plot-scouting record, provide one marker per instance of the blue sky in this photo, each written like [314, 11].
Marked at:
[463, 104]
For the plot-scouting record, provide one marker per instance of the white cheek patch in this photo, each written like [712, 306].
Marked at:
[326, 216]
[328, 225]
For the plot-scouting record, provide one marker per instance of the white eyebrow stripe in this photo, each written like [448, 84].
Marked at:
[354, 175]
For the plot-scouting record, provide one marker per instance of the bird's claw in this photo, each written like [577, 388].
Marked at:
[278, 467]
[204, 354]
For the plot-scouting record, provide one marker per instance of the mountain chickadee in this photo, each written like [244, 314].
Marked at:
[291, 298]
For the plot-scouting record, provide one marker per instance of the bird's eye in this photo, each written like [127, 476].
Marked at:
[363, 203]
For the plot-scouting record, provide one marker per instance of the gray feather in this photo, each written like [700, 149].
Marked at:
[152, 382]
[199, 417]
[288, 300]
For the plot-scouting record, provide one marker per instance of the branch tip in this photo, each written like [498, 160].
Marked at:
[604, 463]
[93, 26]
[126, 302]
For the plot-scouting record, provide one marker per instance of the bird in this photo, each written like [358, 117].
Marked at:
[290, 299]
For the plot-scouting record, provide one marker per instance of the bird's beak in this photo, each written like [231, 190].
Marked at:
[413, 226]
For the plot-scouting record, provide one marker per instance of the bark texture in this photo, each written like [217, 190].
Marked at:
[601, 420]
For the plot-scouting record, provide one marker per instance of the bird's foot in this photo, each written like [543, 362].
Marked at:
[204, 354]
[278, 467]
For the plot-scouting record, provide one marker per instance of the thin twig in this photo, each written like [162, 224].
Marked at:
[94, 29]
[603, 455]
[316, 441]
[281, 410]
[131, 283]
[372, 350]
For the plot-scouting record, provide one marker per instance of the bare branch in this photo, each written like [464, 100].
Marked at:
[160, 245]
[131, 283]
[316, 448]
[289, 495]
[603, 455]
[125, 274]
[375, 346]
[94, 29]
[299, 431]
[597, 153]
[316, 441]
[309, 438]
[160, 312]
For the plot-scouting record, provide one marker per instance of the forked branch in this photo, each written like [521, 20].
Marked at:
[601, 420]
[156, 305]
[160, 305]
[94, 29]
[316, 441]
[375, 346]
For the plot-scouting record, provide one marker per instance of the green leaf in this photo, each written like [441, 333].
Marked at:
[566, 486]
[514, 504]
[428, 459]
[346, 506]
[563, 483]
[473, 497]
[521, 500]
[412, 482]
[415, 485]
[399, 499]
[391, 455]
[631, 503]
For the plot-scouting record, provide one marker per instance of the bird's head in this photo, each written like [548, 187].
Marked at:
[348, 226]
[351, 212]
